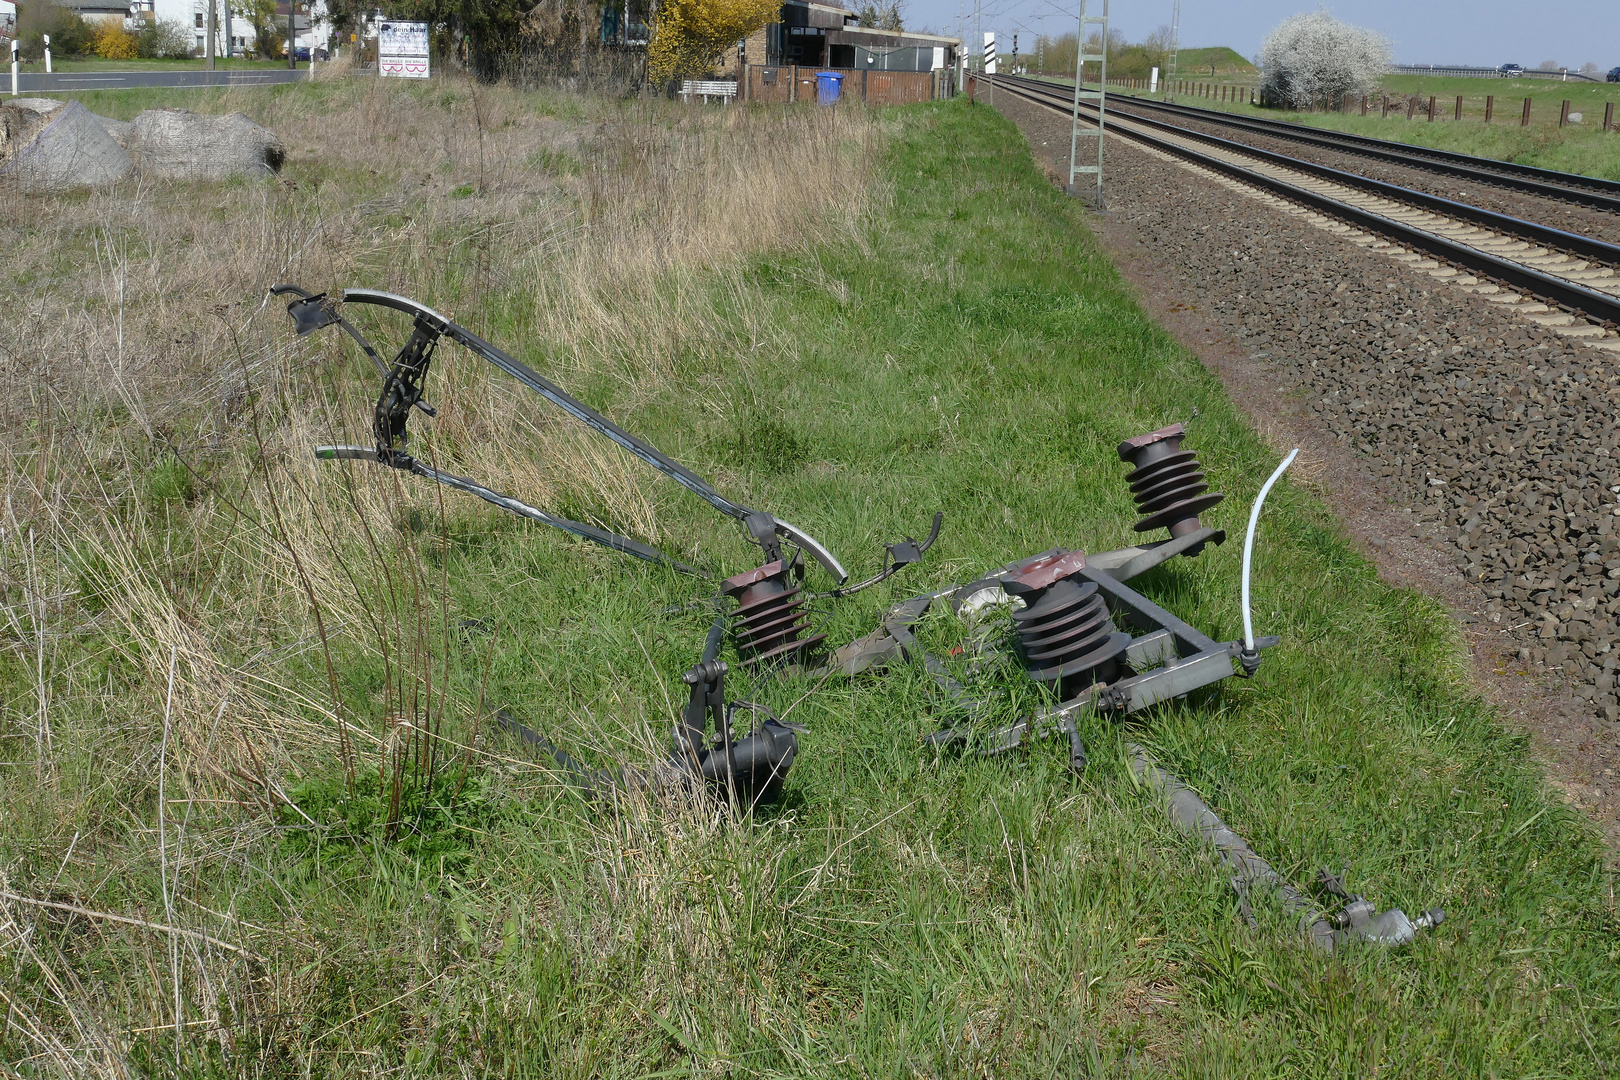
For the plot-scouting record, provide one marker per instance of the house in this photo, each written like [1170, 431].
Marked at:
[827, 35]
[233, 35]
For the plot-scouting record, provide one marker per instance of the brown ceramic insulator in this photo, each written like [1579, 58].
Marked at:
[769, 623]
[1067, 633]
[1166, 481]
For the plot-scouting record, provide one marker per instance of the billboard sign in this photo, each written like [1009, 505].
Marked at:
[402, 50]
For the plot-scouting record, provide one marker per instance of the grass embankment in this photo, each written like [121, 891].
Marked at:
[959, 343]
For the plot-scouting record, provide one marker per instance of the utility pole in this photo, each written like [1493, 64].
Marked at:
[208, 43]
[1100, 96]
[978, 31]
[292, 17]
[1175, 47]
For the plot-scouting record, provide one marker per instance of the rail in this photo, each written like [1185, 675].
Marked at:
[1603, 307]
[1586, 190]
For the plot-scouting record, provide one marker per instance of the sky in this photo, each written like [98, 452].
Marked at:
[1473, 32]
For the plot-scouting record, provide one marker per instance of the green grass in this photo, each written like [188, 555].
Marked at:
[906, 914]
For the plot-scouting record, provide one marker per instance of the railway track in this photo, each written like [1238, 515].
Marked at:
[1564, 281]
[1573, 188]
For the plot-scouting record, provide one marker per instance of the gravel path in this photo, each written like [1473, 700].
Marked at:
[1598, 224]
[1469, 449]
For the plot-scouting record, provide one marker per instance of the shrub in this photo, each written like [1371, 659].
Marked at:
[113, 42]
[70, 34]
[167, 39]
[1315, 56]
[690, 35]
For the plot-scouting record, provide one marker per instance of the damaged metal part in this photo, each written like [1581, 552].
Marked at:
[746, 771]
[403, 385]
[1358, 921]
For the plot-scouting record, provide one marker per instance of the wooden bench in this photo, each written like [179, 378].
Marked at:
[724, 89]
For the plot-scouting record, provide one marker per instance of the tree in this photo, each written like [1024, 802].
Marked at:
[1310, 57]
[688, 36]
[885, 15]
[269, 31]
[70, 34]
[165, 39]
[1157, 47]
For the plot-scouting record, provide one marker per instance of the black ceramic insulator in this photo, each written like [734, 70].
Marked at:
[1167, 482]
[769, 623]
[1067, 634]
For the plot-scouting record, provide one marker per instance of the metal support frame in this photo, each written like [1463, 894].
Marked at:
[1100, 96]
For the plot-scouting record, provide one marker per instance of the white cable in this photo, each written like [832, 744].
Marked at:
[1248, 546]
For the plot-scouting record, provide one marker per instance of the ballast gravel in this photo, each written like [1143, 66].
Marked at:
[1543, 210]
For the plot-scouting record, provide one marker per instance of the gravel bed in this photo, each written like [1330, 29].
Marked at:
[1495, 437]
[1598, 224]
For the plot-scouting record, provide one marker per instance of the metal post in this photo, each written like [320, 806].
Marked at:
[1175, 47]
[292, 48]
[1100, 96]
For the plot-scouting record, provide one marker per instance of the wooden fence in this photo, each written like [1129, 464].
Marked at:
[792, 82]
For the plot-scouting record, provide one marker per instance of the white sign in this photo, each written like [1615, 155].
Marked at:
[939, 57]
[1153, 81]
[402, 50]
[989, 52]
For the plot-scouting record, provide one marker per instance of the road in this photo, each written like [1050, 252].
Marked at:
[38, 82]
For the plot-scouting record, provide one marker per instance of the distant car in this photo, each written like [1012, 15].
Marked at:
[1614, 74]
[301, 53]
[1511, 69]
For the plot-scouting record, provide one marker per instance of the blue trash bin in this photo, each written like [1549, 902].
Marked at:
[827, 86]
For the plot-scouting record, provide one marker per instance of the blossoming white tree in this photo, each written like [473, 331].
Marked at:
[1310, 57]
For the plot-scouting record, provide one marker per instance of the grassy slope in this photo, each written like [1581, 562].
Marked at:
[903, 914]
[1227, 61]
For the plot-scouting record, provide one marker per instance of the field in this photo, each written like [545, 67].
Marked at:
[250, 696]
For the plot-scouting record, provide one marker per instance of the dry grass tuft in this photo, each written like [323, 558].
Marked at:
[163, 526]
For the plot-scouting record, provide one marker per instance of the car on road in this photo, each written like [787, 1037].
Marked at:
[1614, 74]
[1510, 70]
